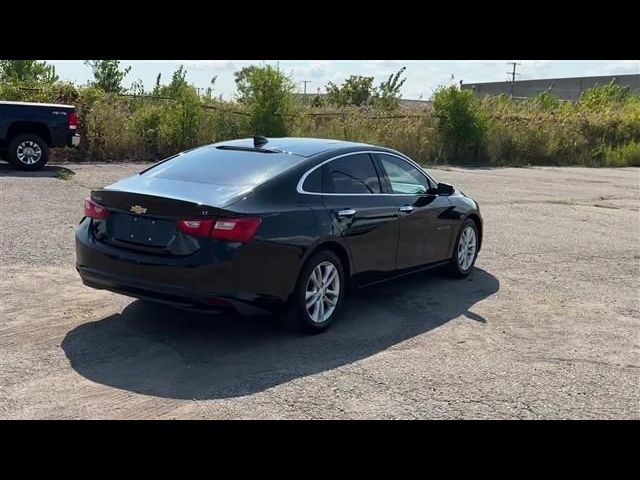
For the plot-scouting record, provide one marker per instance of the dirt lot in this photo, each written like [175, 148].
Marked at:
[548, 326]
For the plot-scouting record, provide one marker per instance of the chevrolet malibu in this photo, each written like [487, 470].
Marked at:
[282, 225]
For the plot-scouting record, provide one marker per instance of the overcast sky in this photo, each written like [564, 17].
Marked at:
[422, 76]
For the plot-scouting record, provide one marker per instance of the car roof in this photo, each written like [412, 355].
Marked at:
[304, 147]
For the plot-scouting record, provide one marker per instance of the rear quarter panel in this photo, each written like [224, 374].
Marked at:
[293, 225]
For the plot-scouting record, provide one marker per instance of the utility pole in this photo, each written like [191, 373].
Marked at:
[304, 95]
[305, 85]
[513, 76]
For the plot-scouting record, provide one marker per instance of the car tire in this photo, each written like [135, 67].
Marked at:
[465, 250]
[303, 314]
[3, 155]
[28, 152]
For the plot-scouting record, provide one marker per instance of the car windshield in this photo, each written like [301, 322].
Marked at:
[222, 166]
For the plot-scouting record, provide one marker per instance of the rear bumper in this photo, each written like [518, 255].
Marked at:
[74, 141]
[200, 281]
[168, 294]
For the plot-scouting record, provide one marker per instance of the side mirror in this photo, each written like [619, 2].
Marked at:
[443, 189]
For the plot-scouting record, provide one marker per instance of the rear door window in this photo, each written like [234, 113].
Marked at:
[352, 174]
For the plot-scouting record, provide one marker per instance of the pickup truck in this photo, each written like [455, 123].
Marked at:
[29, 130]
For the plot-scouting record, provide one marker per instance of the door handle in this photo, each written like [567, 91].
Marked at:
[347, 212]
[406, 208]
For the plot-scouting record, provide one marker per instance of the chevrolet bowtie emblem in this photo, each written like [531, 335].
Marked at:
[138, 210]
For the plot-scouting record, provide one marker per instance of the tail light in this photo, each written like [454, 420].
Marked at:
[73, 120]
[200, 228]
[229, 229]
[236, 229]
[94, 210]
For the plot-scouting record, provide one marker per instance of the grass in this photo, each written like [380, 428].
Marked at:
[64, 174]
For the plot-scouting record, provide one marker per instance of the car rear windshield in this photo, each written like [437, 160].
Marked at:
[223, 167]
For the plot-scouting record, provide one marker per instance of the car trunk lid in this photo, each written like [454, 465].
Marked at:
[149, 223]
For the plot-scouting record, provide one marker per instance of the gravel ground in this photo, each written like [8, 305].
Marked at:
[548, 326]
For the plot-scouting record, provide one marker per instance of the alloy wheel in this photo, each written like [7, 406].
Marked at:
[467, 248]
[322, 292]
[29, 152]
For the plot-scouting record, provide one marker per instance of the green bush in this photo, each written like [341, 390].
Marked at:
[602, 96]
[266, 92]
[625, 155]
[147, 125]
[462, 125]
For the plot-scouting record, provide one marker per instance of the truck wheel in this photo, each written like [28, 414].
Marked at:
[28, 152]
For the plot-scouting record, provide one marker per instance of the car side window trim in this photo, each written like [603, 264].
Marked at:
[374, 154]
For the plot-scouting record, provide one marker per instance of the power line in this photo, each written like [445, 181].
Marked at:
[513, 76]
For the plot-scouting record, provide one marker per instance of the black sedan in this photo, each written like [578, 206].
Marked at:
[283, 225]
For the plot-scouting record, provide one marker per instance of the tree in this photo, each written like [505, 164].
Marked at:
[178, 83]
[355, 91]
[107, 75]
[213, 84]
[185, 113]
[244, 84]
[137, 87]
[157, 86]
[27, 72]
[178, 88]
[267, 93]
[388, 94]
[317, 101]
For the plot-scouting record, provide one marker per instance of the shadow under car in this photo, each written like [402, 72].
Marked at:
[155, 350]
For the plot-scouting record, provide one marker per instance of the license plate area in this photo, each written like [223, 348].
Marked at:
[150, 232]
